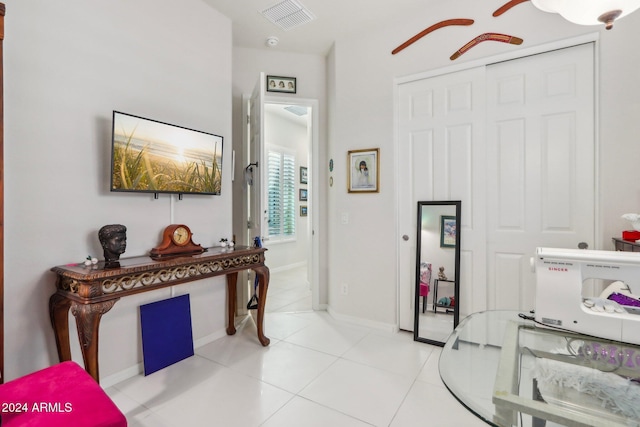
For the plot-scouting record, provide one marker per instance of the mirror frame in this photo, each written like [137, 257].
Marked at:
[456, 307]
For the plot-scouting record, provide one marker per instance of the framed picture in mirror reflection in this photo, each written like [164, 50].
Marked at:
[448, 231]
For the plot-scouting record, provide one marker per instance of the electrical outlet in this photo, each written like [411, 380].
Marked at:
[345, 289]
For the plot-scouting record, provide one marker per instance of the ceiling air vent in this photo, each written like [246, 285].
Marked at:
[288, 14]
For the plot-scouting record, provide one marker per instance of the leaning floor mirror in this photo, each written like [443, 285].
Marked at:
[437, 271]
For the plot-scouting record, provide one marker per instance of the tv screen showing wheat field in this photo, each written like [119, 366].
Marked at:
[155, 157]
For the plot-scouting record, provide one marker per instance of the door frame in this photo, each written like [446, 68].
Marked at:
[313, 266]
[483, 62]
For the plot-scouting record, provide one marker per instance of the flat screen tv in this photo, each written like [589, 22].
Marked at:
[155, 157]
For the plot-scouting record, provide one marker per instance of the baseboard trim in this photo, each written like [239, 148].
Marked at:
[200, 342]
[118, 377]
[321, 307]
[380, 326]
[287, 267]
[138, 369]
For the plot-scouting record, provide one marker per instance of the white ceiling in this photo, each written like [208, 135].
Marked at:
[280, 111]
[334, 19]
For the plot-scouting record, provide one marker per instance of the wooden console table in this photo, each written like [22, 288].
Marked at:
[91, 291]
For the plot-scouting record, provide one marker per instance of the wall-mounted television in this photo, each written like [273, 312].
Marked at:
[155, 157]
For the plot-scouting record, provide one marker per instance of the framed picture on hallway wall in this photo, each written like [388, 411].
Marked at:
[281, 84]
[304, 179]
[364, 167]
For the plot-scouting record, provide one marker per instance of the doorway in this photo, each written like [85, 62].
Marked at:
[283, 126]
[287, 233]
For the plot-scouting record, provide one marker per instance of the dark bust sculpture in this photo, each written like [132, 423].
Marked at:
[113, 239]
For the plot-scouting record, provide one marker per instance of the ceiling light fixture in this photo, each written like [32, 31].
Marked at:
[589, 12]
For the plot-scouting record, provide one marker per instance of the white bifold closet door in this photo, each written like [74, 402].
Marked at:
[515, 142]
[540, 164]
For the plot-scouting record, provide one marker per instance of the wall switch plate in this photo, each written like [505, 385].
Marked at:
[345, 289]
[344, 218]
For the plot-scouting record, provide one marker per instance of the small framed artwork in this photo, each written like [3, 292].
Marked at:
[447, 231]
[281, 84]
[303, 211]
[364, 171]
[303, 194]
[303, 175]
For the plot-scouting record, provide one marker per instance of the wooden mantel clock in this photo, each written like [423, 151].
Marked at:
[176, 241]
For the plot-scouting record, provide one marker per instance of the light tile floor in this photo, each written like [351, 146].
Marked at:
[289, 291]
[316, 372]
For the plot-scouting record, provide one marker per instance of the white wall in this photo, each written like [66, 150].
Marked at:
[67, 66]
[363, 253]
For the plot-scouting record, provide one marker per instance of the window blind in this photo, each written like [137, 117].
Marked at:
[281, 193]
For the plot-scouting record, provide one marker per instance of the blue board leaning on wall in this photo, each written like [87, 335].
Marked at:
[167, 336]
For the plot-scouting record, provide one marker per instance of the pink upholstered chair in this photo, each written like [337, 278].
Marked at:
[63, 395]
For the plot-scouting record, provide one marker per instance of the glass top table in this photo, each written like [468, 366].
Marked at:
[510, 372]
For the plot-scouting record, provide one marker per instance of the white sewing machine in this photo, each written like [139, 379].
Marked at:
[566, 277]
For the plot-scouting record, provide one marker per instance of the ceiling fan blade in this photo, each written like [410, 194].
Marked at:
[432, 28]
[504, 38]
[508, 5]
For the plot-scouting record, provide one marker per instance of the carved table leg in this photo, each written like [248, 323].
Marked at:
[263, 284]
[59, 312]
[232, 290]
[88, 323]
